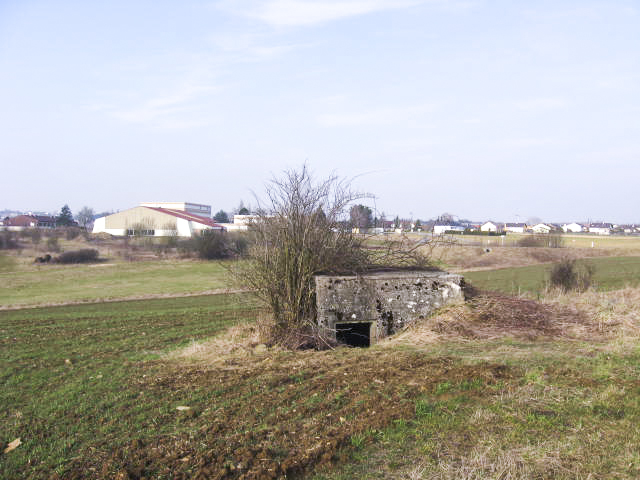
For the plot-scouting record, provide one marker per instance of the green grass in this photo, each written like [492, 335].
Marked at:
[90, 393]
[610, 273]
[50, 284]
[561, 418]
[70, 376]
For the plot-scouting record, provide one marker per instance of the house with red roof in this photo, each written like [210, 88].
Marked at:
[159, 219]
[21, 222]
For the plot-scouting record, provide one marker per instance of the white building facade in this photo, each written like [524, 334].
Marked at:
[151, 221]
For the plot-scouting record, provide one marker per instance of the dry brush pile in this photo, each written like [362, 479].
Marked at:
[589, 315]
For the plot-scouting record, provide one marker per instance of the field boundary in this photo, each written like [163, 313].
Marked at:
[149, 296]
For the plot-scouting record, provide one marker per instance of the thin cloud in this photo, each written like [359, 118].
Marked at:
[383, 116]
[250, 46]
[297, 13]
[541, 104]
[175, 110]
[524, 143]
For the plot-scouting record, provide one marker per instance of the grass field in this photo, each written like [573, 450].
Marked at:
[92, 391]
[51, 284]
[617, 242]
[71, 375]
[610, 273]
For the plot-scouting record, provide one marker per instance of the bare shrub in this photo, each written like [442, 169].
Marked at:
[52, 244]
[85, 255]
[215, 245]
[532, 241]
[211, 245]
[296, 235]
[8, 240]
[301, 231]
[555, 240]
[569, 274]
[72, 232]
[36, 236]
[551, 240]
[402, 252]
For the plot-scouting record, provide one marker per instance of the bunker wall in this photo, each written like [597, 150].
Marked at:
[389, 300]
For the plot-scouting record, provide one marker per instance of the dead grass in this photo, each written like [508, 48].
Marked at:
[237, 342]
[615, 313]
[493, 316]
[468, 258]
[486, 462]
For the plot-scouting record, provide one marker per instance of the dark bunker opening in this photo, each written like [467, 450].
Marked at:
[354, 334]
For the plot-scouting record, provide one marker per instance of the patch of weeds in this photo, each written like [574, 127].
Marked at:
[298, 377]
[443, 387]
[535, 376]
[425, 408]
[472, 384]
[608, 411]
[314, 400]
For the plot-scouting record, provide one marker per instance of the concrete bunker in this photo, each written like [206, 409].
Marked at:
[358, 310]
[355, 334]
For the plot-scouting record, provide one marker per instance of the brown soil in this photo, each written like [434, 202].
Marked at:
[282, 414]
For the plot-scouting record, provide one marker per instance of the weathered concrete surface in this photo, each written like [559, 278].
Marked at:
[389, 300]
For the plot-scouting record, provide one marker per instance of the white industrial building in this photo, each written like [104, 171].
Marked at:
[240, 222]
[158, 219]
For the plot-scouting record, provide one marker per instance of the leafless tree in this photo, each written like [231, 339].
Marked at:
[85, 216]
[361, 216]
[298, 233]
[301, 230]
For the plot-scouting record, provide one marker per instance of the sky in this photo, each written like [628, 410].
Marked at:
[483, 109]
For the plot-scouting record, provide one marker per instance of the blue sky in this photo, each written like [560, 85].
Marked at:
[484, 109]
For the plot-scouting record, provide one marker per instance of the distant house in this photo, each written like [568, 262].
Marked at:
[626, 229]
[386, 225]
[488, 227]
[440, 228]
[403, 225]
[572, 228]
[600, 228]
[541, 228]
[21, 222]
[515, 227]
[155, 221]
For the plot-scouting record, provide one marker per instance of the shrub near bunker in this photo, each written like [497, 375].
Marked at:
[568, 274]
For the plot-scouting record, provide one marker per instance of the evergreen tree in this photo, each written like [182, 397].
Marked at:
[221, 217]
[65, 219]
